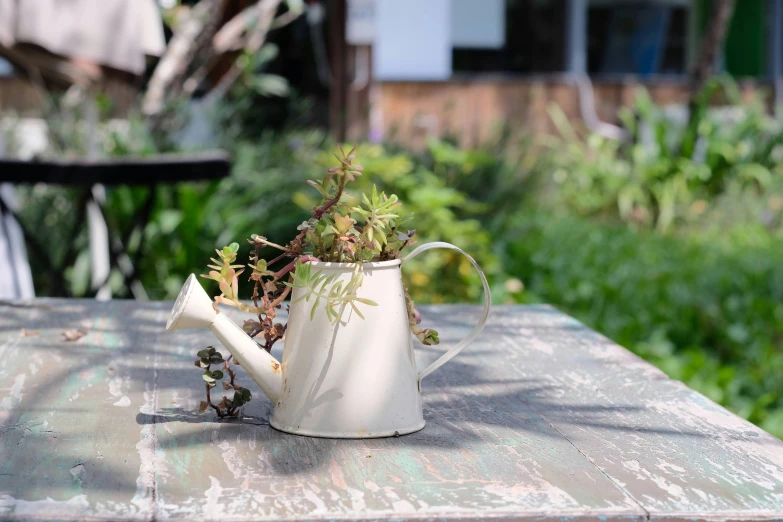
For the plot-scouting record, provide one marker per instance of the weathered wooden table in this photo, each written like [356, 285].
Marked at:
[539, 419]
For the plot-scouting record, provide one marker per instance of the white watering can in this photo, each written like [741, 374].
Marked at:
[356, 378]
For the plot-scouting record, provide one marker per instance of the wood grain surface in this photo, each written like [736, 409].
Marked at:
[540, 418]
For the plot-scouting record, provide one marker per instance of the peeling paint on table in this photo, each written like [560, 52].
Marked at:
[540, 418]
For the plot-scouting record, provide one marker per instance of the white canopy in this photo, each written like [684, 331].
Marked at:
[113, 33]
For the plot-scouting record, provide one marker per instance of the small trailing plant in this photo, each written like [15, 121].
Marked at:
[227, 407]
[339, 231]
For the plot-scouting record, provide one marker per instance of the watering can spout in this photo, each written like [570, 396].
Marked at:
[193, 309]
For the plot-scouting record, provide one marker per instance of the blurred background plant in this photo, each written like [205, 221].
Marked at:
[670, 170]
[666, 240]
[670, 254]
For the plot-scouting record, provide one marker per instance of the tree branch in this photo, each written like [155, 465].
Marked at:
[266, 10]
[193, 35]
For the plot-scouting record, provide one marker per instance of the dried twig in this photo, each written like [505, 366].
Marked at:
[73, 335]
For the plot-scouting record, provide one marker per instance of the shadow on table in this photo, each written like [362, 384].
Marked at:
[462, 406]
[165, 415]
[477, 397]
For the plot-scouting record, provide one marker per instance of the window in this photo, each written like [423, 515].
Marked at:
[641, 38]
[534, 41]
[6, 69]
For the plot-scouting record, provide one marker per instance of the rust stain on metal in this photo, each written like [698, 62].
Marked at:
[275, 366]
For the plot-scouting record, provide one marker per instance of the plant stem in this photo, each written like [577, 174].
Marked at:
[282, 296]
[260, 239]
[278, 258]
[258, 281]
[319, 212]
[290, 266]
[287, 268]
[209, 401]
[231, 372]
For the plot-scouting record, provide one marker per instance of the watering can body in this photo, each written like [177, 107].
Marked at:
[355, 377]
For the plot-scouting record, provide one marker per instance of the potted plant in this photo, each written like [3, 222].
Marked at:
[347, 368]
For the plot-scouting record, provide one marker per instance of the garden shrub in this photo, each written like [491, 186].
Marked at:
[707, 310]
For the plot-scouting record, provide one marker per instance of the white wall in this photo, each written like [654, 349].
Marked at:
[5, 67]
[478, 24]
[413, 39]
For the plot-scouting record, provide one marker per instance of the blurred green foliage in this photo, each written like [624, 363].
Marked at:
[668, 170]
[267, 194]
[668, 242]
[269, 185]
[706, 309]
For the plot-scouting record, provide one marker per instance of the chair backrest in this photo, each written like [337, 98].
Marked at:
[16, 280]
[107, 246]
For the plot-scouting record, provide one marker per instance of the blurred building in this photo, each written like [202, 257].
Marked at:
[408, 69]
[415, 68]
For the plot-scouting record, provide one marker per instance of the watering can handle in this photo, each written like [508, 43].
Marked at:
[446, 357]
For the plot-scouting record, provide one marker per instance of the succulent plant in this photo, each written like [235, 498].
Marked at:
[373, 230]
[227, 407]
